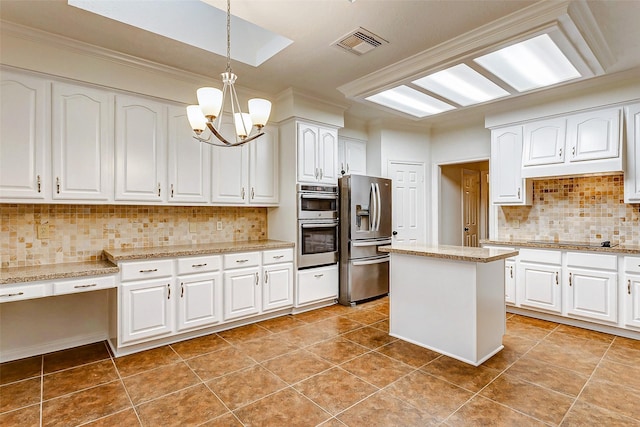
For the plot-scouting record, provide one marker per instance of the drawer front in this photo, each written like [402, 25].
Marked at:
[542, 256]
[317, 284]
[277, 256]
[596, 261]
[17, 293]
[632, 264]
[201, 264]
[140, 270]
[245, 259]
[83, 285]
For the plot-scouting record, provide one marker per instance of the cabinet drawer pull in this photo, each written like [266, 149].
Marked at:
[347, 167]
[57, 185]
[253, 193]
[39, 182]
[12, 295]
[242, 193]
[518, 192]
[149, 271]
[557, 278]
[86, 286]
[169, 288]
[266, 277]
[629, 287]
[570, 279]
[181, 290]
[172, 191]
[573, 151]
[511, 268]
[316, 173]
[257, 279]
[242, 260]
[318, 275]
[158, 189]
[278, 256]
[560, 153]
[198, 265]
[320, 173]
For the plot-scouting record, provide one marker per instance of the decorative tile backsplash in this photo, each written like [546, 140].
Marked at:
[577, 209]
[80, 232]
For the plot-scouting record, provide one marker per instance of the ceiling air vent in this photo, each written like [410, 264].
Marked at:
[360, 41]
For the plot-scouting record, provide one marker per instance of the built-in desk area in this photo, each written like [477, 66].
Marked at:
[449, 299]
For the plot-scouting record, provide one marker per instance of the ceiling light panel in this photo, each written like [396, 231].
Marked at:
[410, 101]
[462, 85]
[531, 64]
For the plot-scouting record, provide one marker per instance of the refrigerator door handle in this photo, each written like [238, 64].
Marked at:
[379, 210]
[369, 262]
[374, 211]
[374, 243]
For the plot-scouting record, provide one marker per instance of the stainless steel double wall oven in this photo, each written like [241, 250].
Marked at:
[317, 225]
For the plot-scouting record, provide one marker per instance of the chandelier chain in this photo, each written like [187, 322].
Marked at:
[229, 36]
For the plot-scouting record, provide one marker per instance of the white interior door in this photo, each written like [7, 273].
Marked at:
[408, 207]
[470, 207]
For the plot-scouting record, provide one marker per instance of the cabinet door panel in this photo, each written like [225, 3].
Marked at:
[308, 141]
[277, 290]
[23, 134]
[539, 286]
[146, 311]
[510, 282]
[140, 149]
[229, 175]
[544, 142]
[592, 294]
[200, 301]
[263, 168]
[82, 143]
[507, 185]
[241, 293]
[189, 161]
[328, 156]
[632, 300]
[594, 135]
[632, 172]
[355, 157]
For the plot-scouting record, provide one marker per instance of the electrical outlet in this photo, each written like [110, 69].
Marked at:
[193, 227]
[219, 226]
[42, 231]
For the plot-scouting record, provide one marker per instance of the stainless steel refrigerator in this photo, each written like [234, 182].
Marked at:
[365, 224]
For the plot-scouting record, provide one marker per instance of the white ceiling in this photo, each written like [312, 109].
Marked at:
[312, 64]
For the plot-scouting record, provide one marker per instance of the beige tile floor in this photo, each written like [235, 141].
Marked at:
[335, 366]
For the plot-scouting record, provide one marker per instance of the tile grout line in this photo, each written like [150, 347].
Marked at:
[115, 366]
[41, 390]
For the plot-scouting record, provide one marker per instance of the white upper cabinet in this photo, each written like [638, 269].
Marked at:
[352, 156]
[581, 143]
[263, 168]
[317, 154]
[247, 174]
[632, 172]
[594, 135]
[507, 185]
[24, 136]
[82, 143]
[544, 142]
[140, 150]
[189, 161]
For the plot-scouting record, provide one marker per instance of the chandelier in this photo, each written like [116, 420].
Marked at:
[208, 114]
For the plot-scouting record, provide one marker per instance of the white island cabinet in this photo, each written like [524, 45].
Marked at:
[450, 299]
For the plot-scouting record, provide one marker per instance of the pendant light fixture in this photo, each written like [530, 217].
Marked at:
[208, 114]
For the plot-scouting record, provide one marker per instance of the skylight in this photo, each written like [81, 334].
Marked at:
[462, 85]
[192, 22]
[531, 64]
[410, 101]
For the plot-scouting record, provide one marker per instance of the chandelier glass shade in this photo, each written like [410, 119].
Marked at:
[208, 113]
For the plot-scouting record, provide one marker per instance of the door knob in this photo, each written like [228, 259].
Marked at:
[466, 229]
[395, 233]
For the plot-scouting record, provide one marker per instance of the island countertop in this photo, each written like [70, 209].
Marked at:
[459, 253]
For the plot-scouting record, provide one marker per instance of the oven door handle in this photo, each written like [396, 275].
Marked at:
[369, 262]
[334, 224]
[376, 243]
[320, 196]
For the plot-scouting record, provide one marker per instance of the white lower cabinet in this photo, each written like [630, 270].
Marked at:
[146, 310]
[631, 286]
[241, 292]
[592, 286]
[277, 288]
[510, 281]
[200, 301]
[538, 280]
[317, 284]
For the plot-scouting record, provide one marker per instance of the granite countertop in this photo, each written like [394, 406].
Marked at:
[572, 246]
[56, 271]
[115, 255]
[458, 253]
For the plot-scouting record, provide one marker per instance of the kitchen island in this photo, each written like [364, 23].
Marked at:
[449, 299]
